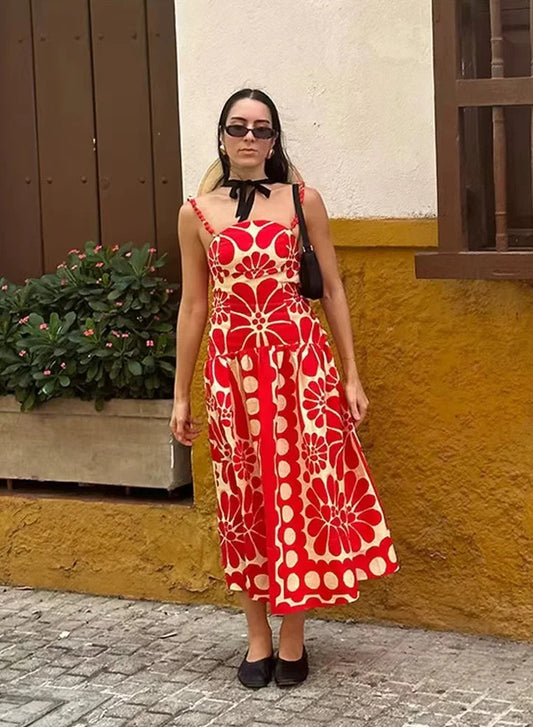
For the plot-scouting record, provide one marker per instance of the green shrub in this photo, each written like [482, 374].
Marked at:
[102, 326]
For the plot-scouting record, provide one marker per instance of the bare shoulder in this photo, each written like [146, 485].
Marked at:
[202, 202]
[313, 202]
[210, 198]
[186, 214]
[312, 195]
[189, 225]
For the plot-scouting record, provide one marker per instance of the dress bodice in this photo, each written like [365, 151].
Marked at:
[254, 272]
[251, 250]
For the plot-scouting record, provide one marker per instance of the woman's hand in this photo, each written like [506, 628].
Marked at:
[183, 426]
[357, 400]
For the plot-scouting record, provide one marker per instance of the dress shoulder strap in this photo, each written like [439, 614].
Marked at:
[200, 215]
[301, 187]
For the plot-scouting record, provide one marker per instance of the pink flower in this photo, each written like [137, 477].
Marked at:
[82, 256]
[22, 353]
[99, 265]
[109, 344]
[128, 254]
[156, 318]
[149, 343]
[88, 332]
[119, 303]
[63, 365]
[4, 287]
[115, 248]
[152, 269]
[47, 372]
[43, 326]
[61, 265]
[116, 334]
[64, 282]
[24, 320]
[74, 251]
[125, 335]
[73, 267]
[98, 248]
[152, 250]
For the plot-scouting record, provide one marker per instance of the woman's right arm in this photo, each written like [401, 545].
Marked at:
[192, 317]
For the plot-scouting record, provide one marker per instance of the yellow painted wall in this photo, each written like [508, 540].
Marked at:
[447, 368]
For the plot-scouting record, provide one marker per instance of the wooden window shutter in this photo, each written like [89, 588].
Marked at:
[484, 129]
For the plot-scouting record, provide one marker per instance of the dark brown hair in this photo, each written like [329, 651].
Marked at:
[277, 168]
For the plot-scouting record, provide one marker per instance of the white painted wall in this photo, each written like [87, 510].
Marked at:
[352, 80]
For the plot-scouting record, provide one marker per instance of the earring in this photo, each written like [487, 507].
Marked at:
[222, 149]
[270, 153]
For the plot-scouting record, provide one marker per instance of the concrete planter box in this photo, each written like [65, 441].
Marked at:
[67, 440]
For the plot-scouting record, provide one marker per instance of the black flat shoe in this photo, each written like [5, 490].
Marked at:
[256, 674]
[289, 673]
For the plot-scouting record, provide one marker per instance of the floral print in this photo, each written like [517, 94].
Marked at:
[254, 266]
[299, 519]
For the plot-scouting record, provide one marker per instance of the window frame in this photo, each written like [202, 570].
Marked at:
[453, 259]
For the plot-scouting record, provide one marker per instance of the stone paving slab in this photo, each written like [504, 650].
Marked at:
[75, 660]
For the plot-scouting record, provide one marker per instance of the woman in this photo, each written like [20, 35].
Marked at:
[300, 522]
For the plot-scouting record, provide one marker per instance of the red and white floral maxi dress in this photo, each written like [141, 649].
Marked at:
[299, 519]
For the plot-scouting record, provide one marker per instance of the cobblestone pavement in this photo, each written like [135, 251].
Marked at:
[73, 660]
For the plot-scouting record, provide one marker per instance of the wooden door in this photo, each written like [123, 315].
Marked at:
[89, 148]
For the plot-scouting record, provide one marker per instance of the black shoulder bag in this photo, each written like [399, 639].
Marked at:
[310, 275]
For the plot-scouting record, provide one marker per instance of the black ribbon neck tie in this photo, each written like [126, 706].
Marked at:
[238, 191]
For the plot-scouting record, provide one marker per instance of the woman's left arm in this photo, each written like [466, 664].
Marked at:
[334, 300]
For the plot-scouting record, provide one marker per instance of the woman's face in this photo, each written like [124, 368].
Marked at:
[247, 151]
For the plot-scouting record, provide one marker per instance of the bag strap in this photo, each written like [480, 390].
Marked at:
[301, 219]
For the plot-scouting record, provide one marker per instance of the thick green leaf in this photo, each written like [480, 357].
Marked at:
[167, 368]
[68, 321]
[29, 402]
[152, 382]
[49, 387]
[11, 369]
[116, 368]
[99, 305]
[92, 370]
[25, 379]
[35, 319]
[135, 368]
[115, 294]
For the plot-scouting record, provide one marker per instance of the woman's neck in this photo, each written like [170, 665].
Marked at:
[251, 173]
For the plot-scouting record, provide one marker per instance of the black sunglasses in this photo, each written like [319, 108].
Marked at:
[260, 132]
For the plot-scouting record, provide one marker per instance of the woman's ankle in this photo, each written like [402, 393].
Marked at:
[259, 644]
[259, 631]
[292, 637]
